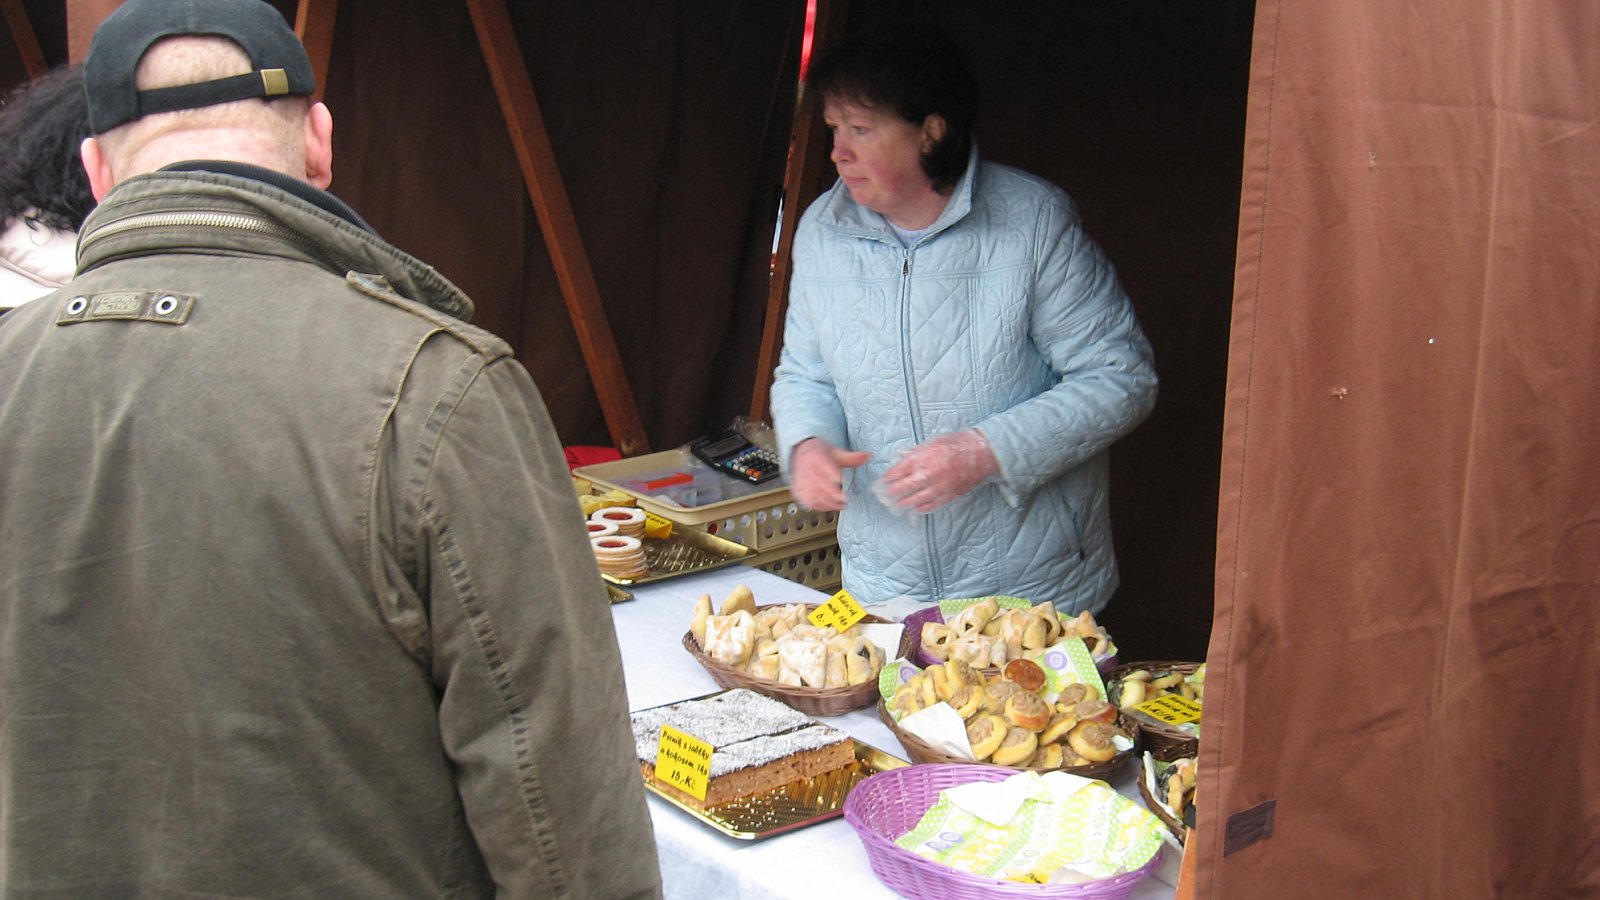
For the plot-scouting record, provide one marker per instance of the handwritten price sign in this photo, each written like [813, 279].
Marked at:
[1172, 709]
[683, 761]
[841, 611]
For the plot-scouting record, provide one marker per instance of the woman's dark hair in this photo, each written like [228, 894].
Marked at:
[913, 70]
[41, 176]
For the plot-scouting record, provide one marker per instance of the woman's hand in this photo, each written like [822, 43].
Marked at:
[816, 473]
[932, 474]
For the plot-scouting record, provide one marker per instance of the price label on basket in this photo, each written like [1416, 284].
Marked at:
[1172, 709]
[657, 527]
[840, 611]
[683, 761]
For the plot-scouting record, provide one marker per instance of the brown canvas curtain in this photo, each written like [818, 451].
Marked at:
[1403, 664]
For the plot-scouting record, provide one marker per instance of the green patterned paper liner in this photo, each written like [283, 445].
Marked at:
[1094, 831]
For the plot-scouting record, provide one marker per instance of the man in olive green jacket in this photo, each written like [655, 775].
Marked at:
[295, 598]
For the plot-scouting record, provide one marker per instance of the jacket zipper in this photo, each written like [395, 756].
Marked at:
[227, 221]
[914, 411]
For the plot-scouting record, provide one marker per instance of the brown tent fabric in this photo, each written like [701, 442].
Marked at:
[670, 124]
[1403, 667]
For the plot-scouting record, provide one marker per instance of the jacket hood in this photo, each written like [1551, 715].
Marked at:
[165, 210]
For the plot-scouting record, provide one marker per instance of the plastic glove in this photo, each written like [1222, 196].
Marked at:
[933, 473]
[816, 473]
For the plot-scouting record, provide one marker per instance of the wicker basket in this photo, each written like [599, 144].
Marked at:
[1176, 826]
[888, 804]
[916, 620]
[811, 701]
[1165, 742]
[922, 752]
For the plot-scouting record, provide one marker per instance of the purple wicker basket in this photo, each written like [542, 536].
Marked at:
[916, 620]
[886, 805]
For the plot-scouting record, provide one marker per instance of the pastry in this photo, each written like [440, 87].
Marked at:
[1016, 748]
[758, 744]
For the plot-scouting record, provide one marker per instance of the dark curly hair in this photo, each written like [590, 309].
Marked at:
[41, 176]
[913, 70]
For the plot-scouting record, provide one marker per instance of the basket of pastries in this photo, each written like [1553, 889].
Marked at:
[988, 632]
[1164, 697]
[776, 650]
[1047, 713]
[1167, 788]
[1069, 838]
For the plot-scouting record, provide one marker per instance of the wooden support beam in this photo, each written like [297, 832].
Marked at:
[802, 182]
[27, 42]
[313, 24]
[532, 143]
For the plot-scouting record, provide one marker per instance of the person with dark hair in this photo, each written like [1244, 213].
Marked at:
[44, 193]
[295, 595]
[958, 354]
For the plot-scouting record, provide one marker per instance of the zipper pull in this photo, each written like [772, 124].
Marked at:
[905, 265]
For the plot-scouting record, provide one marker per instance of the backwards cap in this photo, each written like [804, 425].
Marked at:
[279, 61]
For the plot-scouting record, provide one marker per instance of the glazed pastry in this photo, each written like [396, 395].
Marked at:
[1057, 728]
[968, 699]
[1025, 672]
[1073, 694]
[837, 670]
[1092, 741]
[858, 669]
[1026, 710]
[961, 672]
[974, 618]
[808, 659]
[729, 639]
[1016, 748]
[1048, 756]
[739, 598]
[937, 639]
[702, 611]
[1052, 620]
[985, 733]
[997, 693]
[764, 667]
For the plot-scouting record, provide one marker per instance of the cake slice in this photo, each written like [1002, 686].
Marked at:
[757, 743]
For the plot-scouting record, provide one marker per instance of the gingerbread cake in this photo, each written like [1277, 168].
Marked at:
[757, 743]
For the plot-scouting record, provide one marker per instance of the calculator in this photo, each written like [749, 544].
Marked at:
[731, 453]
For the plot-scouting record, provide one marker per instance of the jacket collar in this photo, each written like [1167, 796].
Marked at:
[302, 189]
[840, 212]
[202, 210]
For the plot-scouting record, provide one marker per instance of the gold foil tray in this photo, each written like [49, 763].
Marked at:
[795, 805]
[684, 551]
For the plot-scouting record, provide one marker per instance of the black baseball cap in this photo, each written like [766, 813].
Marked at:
[280, 63]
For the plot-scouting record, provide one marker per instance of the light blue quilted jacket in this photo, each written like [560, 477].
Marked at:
[1004, 315]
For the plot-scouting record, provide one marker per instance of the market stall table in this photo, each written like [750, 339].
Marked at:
[820, 860]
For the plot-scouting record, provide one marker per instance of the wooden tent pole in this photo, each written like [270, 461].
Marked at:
[27, 42]
[802, 179]
[313, 24]
[543, 177]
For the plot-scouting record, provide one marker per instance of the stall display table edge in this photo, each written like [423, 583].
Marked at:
[820, 860]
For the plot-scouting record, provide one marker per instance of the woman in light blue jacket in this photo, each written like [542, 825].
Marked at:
[958, 354]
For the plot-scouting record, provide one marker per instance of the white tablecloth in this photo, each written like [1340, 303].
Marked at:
[823, 860]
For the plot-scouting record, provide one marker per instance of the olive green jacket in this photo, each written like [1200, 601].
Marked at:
[295, 596]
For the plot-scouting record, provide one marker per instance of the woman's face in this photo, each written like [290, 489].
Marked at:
[879, 158]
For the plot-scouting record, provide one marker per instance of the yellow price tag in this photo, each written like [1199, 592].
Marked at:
[1172, 709]
[657, 527]
[683, 761]
[841, 611]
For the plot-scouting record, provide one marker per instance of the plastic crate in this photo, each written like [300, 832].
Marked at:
[762, 519]
[814, 563]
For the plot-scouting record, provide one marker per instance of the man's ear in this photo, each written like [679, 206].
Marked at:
[319, 145]
[97, 167]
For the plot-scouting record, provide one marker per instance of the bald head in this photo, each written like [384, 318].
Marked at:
[288, 134]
